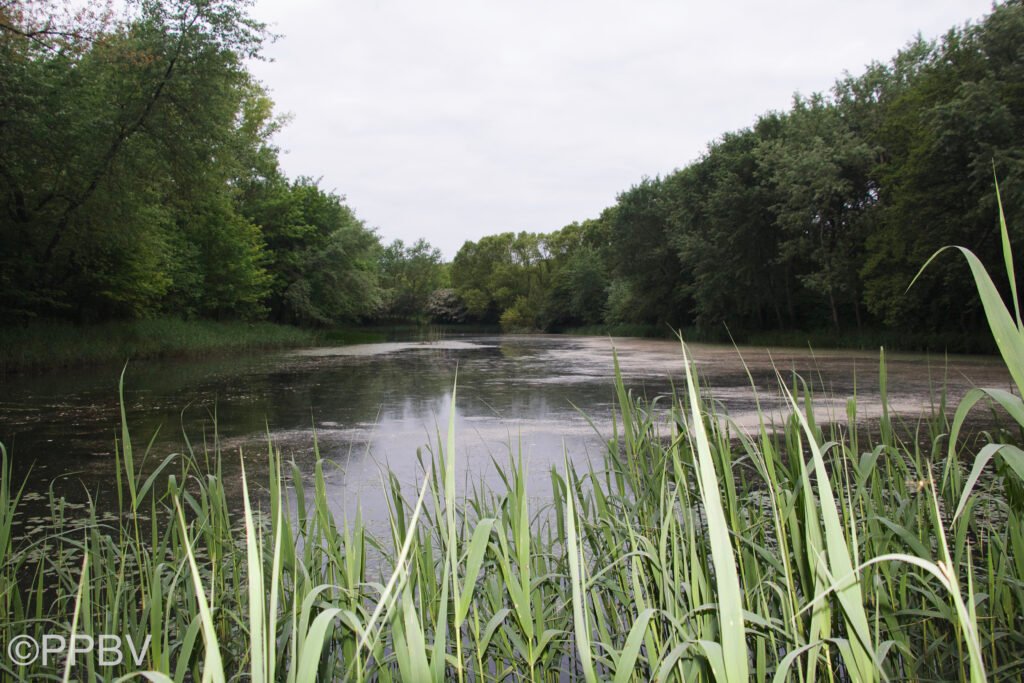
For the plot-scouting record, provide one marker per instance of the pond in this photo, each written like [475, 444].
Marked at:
[370, 407]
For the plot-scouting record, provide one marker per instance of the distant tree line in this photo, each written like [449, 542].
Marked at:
[137, 179]
[814, 218]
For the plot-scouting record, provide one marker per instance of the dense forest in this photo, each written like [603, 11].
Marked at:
[139, 179]
[814, 218]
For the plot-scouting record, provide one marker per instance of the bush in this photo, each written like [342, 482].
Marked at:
[446, 306]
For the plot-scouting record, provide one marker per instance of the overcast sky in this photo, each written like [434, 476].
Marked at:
[452, 119]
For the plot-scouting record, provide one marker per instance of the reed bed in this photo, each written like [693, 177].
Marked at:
[692, 552]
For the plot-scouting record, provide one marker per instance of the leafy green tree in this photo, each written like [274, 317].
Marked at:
[654, 285]
[723, 224]
[117, 155]
[577, 287]
[821, 173]
[340, 282]
[321, 259]
[493, 274]
[409, 275]
[958, 118]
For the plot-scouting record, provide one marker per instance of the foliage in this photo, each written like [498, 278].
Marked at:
[578, 280]
[814, 219]
[493, 274]
[723, 226]
[960, 113]
[519, 317]
[106, 180]
[446, 306]
[642, 256]
[410, 275]
[320, 258]
[137, 178]
[1008, 330]
[819, 171]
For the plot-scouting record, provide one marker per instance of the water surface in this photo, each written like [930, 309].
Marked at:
[372, 406]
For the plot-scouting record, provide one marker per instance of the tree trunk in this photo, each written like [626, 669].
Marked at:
[835, 312]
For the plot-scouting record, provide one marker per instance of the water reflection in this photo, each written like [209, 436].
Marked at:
[373, 405]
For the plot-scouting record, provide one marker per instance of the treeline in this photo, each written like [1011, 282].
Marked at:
[814, 218]
[138, 180]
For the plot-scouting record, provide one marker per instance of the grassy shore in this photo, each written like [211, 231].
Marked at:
[46, 345]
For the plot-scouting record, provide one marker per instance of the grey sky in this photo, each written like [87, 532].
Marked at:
[454, 119]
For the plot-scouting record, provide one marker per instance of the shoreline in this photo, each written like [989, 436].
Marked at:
[44, 346]
[49, 345]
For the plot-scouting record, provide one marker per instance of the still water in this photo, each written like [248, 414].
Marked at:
[370, 407]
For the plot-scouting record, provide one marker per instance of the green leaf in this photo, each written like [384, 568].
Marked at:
[727, 583]
[1012, 456]
[313, 644]
[581, 627]
[627, 659]
[475, 557]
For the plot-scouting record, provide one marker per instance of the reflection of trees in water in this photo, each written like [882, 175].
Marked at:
[355, 390]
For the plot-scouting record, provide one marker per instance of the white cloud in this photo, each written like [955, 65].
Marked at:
[450, 120]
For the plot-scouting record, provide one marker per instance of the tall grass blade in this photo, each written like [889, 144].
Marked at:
[730, 595]
[213, 667]
[83, 581]
[837, 563]
[1012, 456]
[581, 626]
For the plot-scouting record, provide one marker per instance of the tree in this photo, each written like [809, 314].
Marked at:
[943, 132]
[723, 224]
[821, 173]
[445, 306]
[118, 150]
[653, 285]
[493, 274]
[321, 259]
[409, 275]
[577, 286]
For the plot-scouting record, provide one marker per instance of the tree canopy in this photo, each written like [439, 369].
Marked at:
[815, 218]
[138, 178]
